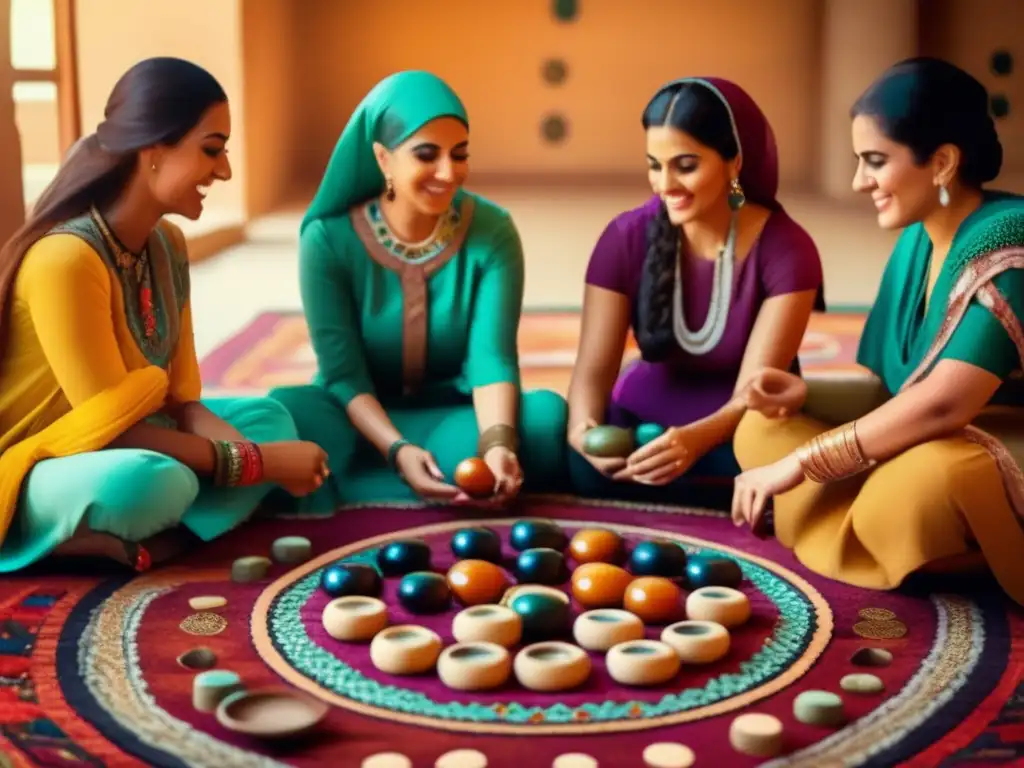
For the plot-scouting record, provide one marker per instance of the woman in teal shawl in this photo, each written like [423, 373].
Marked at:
[412, 289]
[924, 472]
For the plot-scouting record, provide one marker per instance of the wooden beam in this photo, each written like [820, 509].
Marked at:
[37, 75]
[12, 200]
[68, 113]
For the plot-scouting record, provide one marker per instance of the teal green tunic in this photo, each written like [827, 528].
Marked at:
[902, 326]
[419, 329]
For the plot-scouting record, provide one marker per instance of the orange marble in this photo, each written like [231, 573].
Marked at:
[600, 585]
[655, 599]
[597, 545]
[475, 582]
[475, 478]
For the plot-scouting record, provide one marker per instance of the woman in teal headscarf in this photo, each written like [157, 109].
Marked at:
[412, 288]
[924, 474]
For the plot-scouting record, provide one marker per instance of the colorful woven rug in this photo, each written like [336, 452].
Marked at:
[89, 670]
[274, 350]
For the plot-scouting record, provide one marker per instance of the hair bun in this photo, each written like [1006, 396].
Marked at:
[984, 161]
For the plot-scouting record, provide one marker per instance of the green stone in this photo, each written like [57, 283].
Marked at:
[217, 678]
[291, 550]
[246, 569]
[646, 433]
[822, 708]
[565, 10]
[608, 442]
[545, 617]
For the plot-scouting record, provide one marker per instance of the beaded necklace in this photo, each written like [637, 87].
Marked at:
[132, 266]
[706, 338]
[414, 253]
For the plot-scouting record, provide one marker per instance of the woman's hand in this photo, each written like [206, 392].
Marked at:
[508, 475]
[664, 459]
[297, 466]
[754, 487]
[775, 394]
[419, 469]
[606, 466]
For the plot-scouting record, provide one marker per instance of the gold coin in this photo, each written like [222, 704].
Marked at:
[204, 624]
[880, 630]
[876, 614]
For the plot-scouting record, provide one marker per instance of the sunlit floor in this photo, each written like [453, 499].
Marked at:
[559, 226]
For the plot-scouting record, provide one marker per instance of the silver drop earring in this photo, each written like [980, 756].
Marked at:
[943, 196]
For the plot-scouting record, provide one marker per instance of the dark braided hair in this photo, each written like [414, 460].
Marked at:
[923, 103]
[695, 109]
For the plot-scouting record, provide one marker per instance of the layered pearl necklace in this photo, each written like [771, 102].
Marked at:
[702, 341]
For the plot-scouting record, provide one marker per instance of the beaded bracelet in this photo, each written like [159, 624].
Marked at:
[501, 435]
[393, 450]
[237, 463]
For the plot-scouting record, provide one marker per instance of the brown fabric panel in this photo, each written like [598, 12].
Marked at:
[415, 296]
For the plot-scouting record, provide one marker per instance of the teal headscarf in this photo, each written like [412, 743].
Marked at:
[391, 112]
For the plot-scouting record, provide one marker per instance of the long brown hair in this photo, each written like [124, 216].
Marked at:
[156, 102]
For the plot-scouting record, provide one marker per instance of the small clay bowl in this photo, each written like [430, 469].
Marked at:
[271, 713]
[198, 659]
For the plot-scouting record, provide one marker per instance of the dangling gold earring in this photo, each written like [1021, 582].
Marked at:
[390, 186]
[736, 197]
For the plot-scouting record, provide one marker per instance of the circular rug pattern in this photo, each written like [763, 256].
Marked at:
[790, 626]
[89, 669]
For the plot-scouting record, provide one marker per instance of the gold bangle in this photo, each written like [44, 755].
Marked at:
[833, 455]
[497, 435]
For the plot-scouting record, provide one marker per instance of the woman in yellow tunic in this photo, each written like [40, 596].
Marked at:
[103, 439]
[923, 474]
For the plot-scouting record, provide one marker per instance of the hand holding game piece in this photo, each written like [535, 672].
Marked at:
[607, 466]
[508, 475]
[419, 469]
[663, 459]
[297, 466]
[775, 393]
[475, 478]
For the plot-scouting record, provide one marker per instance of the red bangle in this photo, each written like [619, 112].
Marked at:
[252, 464]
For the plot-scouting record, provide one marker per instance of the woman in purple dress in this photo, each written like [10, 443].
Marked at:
[716, 281]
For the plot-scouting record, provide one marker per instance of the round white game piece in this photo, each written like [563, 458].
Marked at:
[722, 605]
[574, 760]
[602, 628]
[862, 683]
[756, 734]
[354, 618]
[386, 760]
[207, 602]
[405, 650]
[642, 662]
[667, 754]
[697, 642]
[551, 666]
[474, 666]
[462, 758]
[488, 624]
[822, 708]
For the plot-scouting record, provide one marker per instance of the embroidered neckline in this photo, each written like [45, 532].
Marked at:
[414, 253]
